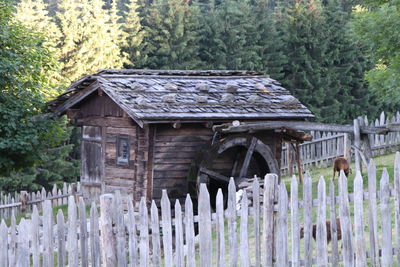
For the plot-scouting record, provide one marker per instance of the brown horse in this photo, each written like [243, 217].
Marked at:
[341, 164]
[328, 231]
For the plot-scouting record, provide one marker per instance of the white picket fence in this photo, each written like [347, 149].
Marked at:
[326, 146]
[22, 202]
[265, 233]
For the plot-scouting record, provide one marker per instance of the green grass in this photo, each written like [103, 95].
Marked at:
[63, 208]
[381, 162]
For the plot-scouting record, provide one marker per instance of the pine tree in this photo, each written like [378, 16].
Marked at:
[347, 64]
[91, 37]
[270, 45]
[306, 75]
[134, 31]
[171, 35]
[34, 15]
[229, 40]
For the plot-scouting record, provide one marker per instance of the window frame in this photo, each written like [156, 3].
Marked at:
[120, 161]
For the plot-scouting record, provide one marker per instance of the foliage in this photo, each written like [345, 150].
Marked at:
[378, 26]
[325, 64]
[91, 38]
[25, 67]
[134, 31]
[171, 35]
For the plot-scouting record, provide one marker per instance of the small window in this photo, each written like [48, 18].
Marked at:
[123, 150]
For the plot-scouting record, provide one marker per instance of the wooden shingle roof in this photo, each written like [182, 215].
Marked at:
[149, 95]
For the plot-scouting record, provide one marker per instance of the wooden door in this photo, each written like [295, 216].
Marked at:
[92, 161]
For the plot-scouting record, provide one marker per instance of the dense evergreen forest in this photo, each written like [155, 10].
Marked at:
[340, 58]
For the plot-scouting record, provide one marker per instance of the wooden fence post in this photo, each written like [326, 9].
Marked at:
[294, 212]
[3, 245]
[307, 208]
[189, 232]
[257, 230]
[48, 248]
[386, 220]
[108, 242]
[205, 227]
[155, 234]
[268, 219]
[345, 222]
[347, 147]
[72, 244]
[373, 216]
[322, 246]
[166, 228]
[358, 221]
[397, 201]
[231, 216]
[281, 245]
[333, 228]
[219, 203]
[357, 142]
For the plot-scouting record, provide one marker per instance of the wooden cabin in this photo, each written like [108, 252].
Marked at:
[147, 130]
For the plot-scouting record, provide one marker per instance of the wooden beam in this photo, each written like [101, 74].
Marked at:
[303, 126]
[214, 174]
[357, 142]
[246, 162]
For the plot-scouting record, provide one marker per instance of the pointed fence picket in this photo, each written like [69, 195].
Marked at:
[198, 237]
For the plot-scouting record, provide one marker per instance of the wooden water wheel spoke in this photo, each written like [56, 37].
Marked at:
[214, 175]
[246, 162]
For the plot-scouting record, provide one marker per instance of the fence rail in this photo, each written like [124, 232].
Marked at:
[22, 202]
[326, 146]
[277, 231]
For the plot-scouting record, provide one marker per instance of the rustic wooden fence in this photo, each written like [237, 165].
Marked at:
[326, 146]
[22, 202]
[267, 232]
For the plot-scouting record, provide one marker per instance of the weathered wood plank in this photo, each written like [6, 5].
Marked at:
[322, 246]
[189, 232]
[270, 181]
[12, 248]
[359, 221]
[246, 162]
[282, 234]
[294, 213]
[244, 237]
[48, 247]
[205, 227]
[155, 235]
[219, 203]
[83, 238]
[345, 223]
[23, 244]
[35, 237]
[60, 239]
[144, 234]
[179, 253]
[386, 259]
[3, 245]
[120, 228]
[373, 216]
[397, 202]
[307, 202]
[94, 236]
[166, 228]
[257, 230]
[108, 242]
[231, 217]
[333, 228]
[133, 236]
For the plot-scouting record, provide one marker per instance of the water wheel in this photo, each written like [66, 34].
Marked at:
[240, 157]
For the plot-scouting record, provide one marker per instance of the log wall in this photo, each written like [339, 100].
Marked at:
[175, 150]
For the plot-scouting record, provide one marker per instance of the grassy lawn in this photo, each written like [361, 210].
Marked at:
[381, 162]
